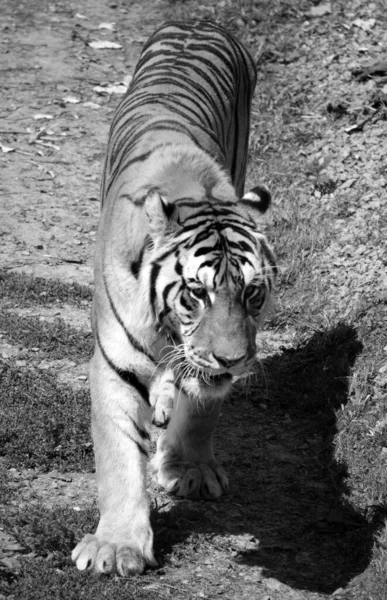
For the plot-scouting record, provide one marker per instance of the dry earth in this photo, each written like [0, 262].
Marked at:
[270, 538]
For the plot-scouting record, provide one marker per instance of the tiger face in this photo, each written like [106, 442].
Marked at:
[212, 274]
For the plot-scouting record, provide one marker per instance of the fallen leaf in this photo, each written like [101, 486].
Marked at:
[104, 44]
[114, 88]
[10, 563]
[47, 145]
[347, 184]
[320, 10]
[359, 126]
[366, 71]
[6, 149]
[71, 100]
[365, 24]
[13, 547]
[41, 117]
[109, 26]
[92, 105]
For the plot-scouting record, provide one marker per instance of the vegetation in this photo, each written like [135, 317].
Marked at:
[43, 424]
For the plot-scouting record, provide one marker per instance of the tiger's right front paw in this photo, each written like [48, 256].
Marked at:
[104, 556]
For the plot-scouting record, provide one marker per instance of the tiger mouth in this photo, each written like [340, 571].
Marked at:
[216, 379]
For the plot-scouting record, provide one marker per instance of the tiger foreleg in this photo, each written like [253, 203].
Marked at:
[185, 461]
[123, 542]
[161, 397]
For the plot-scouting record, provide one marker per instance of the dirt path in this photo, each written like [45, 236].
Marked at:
[55, 126]
[283, 533]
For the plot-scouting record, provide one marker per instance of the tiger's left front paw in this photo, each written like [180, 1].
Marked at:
[193, 481]
[161, 397]
[198, 477]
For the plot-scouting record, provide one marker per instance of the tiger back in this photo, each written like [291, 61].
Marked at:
[192, 84]
[183, 279]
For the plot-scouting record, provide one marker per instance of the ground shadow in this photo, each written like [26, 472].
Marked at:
[287, 490]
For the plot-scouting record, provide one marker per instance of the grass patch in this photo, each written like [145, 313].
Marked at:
[38, 579]
[5, 492]
[56, 339]
[52, 533]
[43, 424]
[30, 291]
[51, 536]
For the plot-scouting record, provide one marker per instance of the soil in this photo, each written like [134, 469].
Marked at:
[270, 537]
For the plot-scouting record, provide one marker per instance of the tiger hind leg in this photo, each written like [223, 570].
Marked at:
[161, 397]
[184, 461]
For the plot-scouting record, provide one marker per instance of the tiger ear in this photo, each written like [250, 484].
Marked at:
[257, 200]
[160, 213]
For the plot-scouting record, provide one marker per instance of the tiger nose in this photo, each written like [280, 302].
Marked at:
[227, 363]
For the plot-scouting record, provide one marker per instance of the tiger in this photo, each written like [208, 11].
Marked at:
[183, 277]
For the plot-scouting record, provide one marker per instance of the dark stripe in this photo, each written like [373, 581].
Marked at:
[166, 310]
[245, 260]
[142, 450]
[132, 340]
[201, 236]
[136, 264]
[169, 252]
[184, 303]
[163, 314]
[208, 263]
[166, 291]
[203, 223]
[144, 434]
[128, 377]
[269, 255]
[241, 245]
[178, 268]
[207, 249]
[152, 285]
[113, 173]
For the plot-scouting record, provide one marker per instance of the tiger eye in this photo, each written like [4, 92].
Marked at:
[254, 296]
[200, 294]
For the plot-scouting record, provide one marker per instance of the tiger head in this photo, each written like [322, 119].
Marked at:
[211, 277]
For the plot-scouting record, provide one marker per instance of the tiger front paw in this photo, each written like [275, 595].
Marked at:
[162, 410]
[161, 397]
[197, 477]
[98, 553]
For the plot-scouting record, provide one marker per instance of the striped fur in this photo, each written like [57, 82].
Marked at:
[191, 84]
[183, 278]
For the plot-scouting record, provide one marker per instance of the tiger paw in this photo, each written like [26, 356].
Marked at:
[102, 556]
[161, 397]
[162, 410]
[192, 479]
